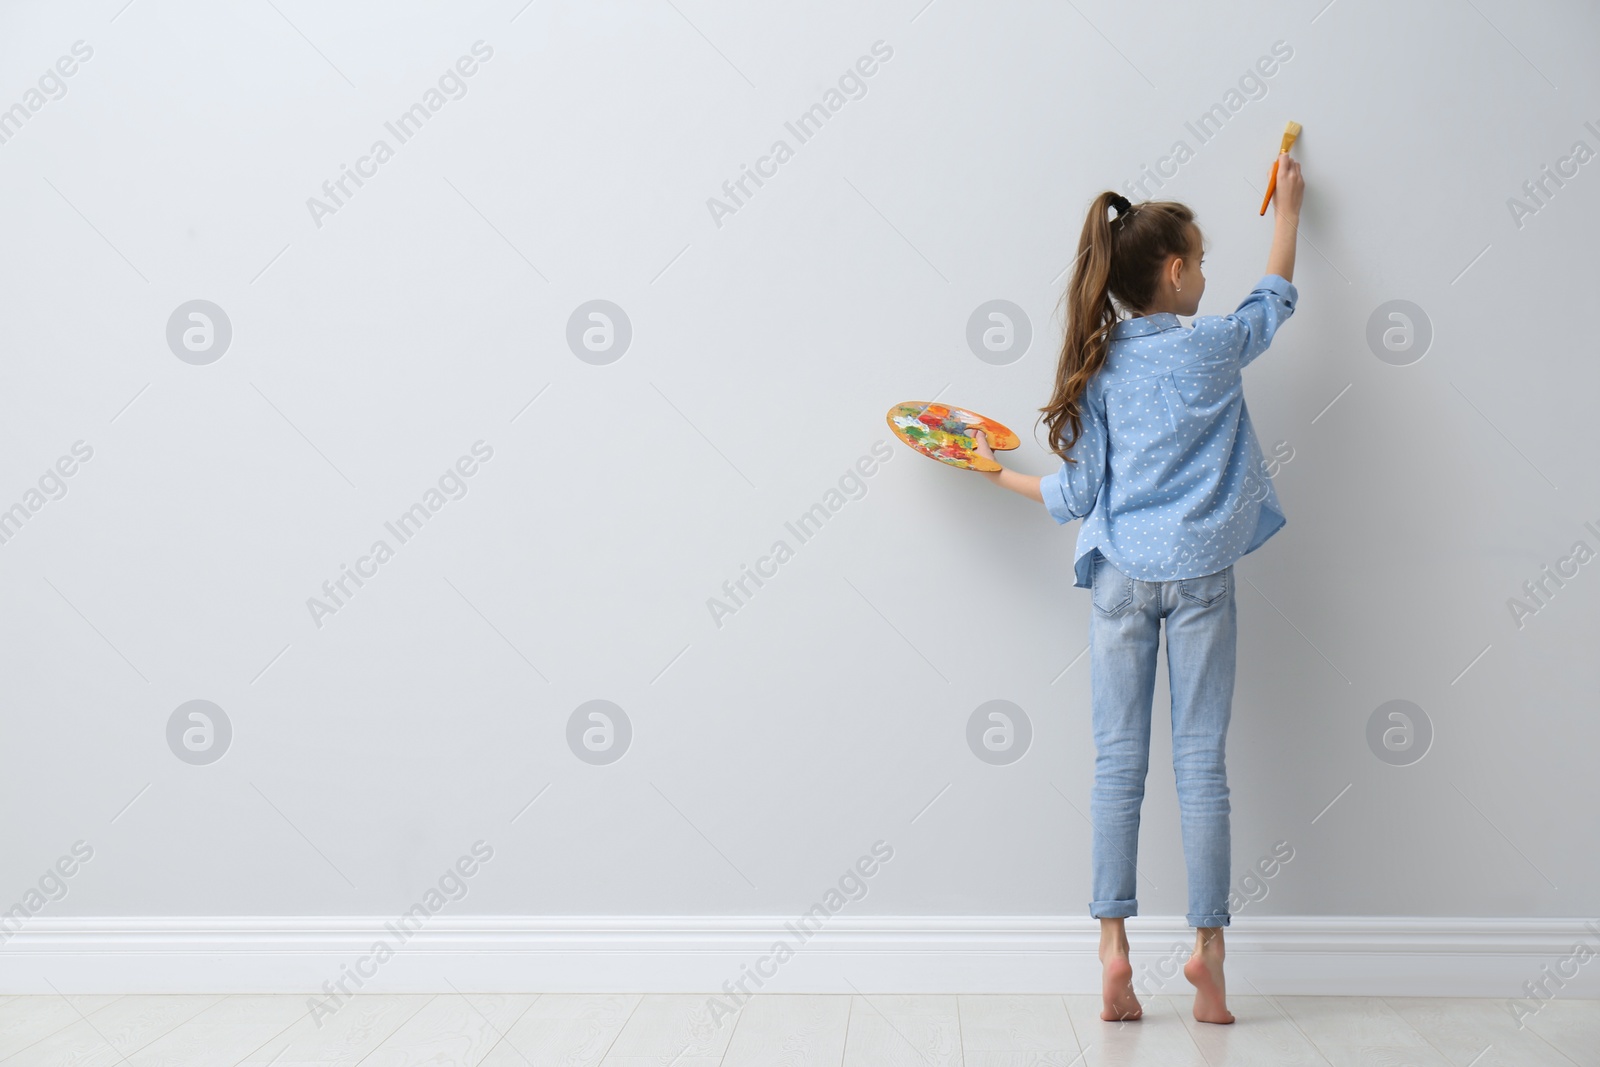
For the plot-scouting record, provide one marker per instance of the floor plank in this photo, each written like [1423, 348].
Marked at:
[1480, 1032]
[1573, 1026]
[452, 1029]
[1352, 1021]
[992, 1058]
[776, 1030]
[1015, 1024]
[666, 1025]
[342, 1039]
[26, 1020]
[564, 1031]
[895, 1030]
[115, 1032]
[224, 1033]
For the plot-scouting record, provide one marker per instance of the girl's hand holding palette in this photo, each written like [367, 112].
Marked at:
[944, 433]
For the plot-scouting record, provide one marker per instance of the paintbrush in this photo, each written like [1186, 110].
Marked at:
[1290, 132]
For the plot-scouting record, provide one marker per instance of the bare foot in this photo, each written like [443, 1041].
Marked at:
[1204, 972]
[1116, 984]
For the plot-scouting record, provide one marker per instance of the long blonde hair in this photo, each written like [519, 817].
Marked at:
[1119, 257]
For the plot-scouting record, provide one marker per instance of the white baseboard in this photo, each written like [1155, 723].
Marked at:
[682, 954]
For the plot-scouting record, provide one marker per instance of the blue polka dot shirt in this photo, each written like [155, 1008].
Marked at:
[1170, 481]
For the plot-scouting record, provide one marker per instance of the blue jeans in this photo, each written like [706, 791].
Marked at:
[1201, 621]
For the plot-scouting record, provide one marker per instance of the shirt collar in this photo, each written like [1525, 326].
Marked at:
[1145, 324]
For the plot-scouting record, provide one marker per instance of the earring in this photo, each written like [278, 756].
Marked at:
[1177, 289]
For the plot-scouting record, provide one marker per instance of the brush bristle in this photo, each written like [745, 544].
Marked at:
[1290, 132]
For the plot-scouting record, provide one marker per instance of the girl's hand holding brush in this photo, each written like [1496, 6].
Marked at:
[1289, 187]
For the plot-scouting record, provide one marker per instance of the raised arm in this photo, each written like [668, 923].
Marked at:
[1286, 209]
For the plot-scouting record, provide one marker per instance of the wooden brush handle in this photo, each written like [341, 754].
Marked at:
[1272, 184]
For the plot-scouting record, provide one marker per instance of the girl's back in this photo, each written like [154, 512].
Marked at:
[1169, 474]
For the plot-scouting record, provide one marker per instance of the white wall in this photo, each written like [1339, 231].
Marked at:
[430, 312]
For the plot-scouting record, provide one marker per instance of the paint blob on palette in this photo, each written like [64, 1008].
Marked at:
[944, 433]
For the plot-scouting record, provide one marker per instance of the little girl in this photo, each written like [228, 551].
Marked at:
[1157, 448]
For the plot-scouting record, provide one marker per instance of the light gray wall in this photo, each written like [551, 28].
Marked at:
[430, 311]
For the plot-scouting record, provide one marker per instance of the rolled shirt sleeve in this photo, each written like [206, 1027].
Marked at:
[1071, 491]
[1258, 316]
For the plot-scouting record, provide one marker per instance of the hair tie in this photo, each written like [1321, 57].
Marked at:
[1122, 205]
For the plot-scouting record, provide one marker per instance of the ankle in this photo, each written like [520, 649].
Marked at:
[1113, 936]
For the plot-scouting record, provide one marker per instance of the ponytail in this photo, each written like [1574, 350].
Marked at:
[1119, 257]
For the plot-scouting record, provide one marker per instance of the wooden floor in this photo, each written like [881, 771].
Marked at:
[633, 1030]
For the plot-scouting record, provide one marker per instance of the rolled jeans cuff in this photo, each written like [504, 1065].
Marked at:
[1113, 909]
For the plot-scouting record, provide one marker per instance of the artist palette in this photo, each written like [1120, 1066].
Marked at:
[944, 433]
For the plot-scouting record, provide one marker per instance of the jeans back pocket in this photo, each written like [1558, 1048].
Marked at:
[1208, 588]
[1109, 588]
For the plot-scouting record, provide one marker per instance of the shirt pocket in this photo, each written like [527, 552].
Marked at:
[1206, 388]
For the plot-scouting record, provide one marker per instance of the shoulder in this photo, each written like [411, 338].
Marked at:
[1210, 334]
[1205, 327]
